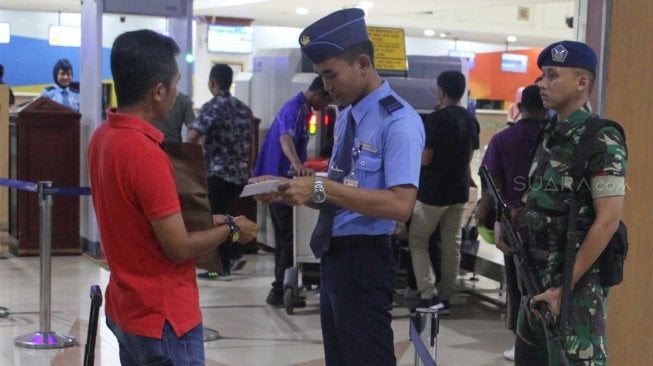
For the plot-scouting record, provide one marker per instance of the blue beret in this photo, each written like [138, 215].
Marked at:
[568, 54]
[333, 34]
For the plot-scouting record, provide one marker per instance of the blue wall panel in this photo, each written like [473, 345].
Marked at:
[29, 61]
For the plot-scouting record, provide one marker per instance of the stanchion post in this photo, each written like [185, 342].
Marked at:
[45, 338]
[427, 327]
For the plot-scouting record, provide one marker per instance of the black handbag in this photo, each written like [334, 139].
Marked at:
[469, 244]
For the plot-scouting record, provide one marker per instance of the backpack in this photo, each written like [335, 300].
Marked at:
[611, 261]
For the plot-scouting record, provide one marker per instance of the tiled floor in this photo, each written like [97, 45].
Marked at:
[252, 332]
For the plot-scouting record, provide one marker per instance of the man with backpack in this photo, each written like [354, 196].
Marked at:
[559, 206]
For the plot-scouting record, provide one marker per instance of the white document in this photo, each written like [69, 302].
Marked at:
[260, 187]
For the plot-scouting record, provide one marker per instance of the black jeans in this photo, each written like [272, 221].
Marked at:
[222, 196]
[281, 216]
[513, 292]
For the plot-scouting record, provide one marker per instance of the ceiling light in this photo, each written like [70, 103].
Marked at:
[429, 32]
[443, 35]
[511, 39]
[302, 11]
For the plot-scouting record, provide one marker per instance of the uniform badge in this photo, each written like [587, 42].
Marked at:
[559, 53]
[368, 147]
[304, 40]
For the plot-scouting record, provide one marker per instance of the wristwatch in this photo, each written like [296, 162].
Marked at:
[234, 231]
[318, 195]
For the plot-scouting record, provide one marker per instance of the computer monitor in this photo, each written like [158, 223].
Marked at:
[230, 38]
[513, 62]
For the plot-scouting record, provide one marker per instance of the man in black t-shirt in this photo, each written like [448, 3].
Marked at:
[452, 134]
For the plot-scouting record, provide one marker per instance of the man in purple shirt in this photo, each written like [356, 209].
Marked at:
[508, 160]
[284, 149]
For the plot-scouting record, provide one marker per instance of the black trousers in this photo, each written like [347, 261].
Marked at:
[281, 216]
[222, 197]
[358, 274]
[513, 291]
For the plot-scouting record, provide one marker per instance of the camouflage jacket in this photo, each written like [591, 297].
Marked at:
[550, 190]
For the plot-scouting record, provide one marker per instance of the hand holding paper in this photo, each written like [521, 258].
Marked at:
[265, 186]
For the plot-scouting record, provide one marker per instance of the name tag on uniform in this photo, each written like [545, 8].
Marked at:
[368, 147]
[350, 180]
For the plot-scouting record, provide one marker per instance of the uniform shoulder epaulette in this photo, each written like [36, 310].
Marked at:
[391, 104]
[74, 90]
[50, 88]
[597, 123]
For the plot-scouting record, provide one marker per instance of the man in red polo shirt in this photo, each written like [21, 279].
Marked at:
[152, 300]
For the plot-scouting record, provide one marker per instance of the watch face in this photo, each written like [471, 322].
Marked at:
[235, 236]
[318, 196]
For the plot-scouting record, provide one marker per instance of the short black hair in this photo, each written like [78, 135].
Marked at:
[223, 75]
[140, 60]
[452, 83]
[316, 84]
[591, 76]
[531, 100]
[350, 54]
[62, 64]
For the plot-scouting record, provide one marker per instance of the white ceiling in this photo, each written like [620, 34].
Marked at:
[542, 21]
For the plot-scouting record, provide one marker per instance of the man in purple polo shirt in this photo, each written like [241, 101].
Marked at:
[508, 159]
[284, 149]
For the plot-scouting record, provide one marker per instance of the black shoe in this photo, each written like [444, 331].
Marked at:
[434, 303]
[275, 298]
[208, 275]
[238, 264]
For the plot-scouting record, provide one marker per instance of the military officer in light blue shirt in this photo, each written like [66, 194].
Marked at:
[62, 92]
[372, 182]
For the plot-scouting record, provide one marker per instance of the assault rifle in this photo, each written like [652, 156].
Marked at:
[527, 271]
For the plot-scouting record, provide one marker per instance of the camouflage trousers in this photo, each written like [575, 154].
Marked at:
[584, 338]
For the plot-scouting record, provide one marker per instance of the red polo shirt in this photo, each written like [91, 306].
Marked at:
[132, 183]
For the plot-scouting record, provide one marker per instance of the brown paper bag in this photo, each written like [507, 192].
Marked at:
[188, 164]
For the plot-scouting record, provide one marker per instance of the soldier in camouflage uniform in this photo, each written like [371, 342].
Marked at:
[569, 74]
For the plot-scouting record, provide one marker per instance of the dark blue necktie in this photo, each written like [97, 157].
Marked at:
[342, 162]
[342, 165]
[64, 98]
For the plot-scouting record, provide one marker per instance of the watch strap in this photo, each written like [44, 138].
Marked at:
[234, 230]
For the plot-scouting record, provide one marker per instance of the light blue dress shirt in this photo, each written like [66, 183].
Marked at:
[389, 141]
[64, 96]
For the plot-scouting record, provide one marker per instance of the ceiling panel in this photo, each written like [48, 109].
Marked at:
[468, 20]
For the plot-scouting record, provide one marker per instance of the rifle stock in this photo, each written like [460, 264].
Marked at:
[529, 275]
